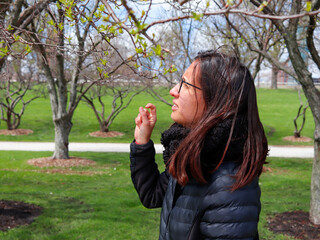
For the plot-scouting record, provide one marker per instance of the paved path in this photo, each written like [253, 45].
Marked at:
[275, 151]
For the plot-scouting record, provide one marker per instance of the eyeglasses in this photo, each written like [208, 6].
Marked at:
[183, 81]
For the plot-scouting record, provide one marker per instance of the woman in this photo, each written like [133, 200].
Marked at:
[214, 154]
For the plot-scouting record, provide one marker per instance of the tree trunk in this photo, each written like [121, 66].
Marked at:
[313, 96]
[296, 134]
[9, 127]
[274, 77]
[315, 179]
[62, 129]
[104, 127]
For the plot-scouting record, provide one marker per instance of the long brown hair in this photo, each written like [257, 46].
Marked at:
[228, 89]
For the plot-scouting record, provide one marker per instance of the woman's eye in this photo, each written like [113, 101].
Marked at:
[186, 85]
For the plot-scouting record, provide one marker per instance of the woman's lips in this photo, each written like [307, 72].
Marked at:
[174, 107]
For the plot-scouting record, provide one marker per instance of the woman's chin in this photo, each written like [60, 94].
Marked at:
[175, 119]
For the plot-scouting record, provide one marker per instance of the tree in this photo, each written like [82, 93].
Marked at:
[13, 86]
[65, 34]
[122, 87]
[297, 132]
[72, 57]
[48, 28]
[59, 54]
[288, 31]
[122, 97]
[250, 37]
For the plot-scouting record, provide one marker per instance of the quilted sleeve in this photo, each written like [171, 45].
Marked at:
[150, 184]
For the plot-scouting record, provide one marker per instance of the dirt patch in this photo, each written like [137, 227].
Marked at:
[16, 132]
[266, 169]
[295, 224]
[295, 139]
[60, 171]
[274, 170]
[49, 162]
[106, 134]
[14, 214]
[72, 172]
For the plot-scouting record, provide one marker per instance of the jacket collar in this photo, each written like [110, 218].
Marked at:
[214, 144]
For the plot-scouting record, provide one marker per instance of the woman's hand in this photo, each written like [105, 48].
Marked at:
[145, 122]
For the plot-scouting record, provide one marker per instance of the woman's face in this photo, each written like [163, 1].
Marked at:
[188, 104]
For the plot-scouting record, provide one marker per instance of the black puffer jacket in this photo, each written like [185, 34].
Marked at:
[198, 211]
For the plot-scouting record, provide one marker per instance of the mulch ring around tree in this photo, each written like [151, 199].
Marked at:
[62, 166]
[106, 134]
[16, 132]
[15, 213]
[295, 224]
[295, 139]
[49, 162]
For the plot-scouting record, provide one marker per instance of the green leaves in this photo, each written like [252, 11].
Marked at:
[308, 6]
[98, 15]
[28, 49]
[263, 5]
[100, 70]
[143, 13]
[106, 75]
[51, 22]
[139, 50]
[171, 69]
[9, 28]
[60, 26]
[68, 13]
[141, 27]
[106, 19]
[16, 37]
[196, 16]
[58, 5]
[229, 3]
[101, 8]
[103, 62]
[157, 50]
[4, 51]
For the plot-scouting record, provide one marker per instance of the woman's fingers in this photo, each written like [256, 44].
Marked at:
[153, 112]
[152, 108]
[138, 120]
[143, 114]
[145, 122]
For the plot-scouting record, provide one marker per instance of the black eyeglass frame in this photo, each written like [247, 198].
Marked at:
[183, 81]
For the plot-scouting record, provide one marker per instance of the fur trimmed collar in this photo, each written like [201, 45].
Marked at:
[214, 144]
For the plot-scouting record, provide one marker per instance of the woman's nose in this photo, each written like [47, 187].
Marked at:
[174, 91]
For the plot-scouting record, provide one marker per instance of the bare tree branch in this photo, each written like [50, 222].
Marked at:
[236, 11]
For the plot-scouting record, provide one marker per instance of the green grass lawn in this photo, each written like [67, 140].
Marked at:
[104, 204]
[277, 110]
[286, 187]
